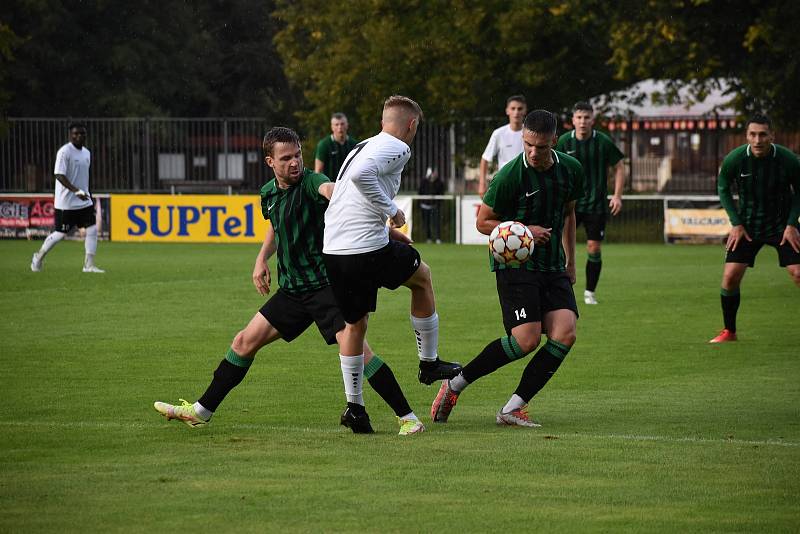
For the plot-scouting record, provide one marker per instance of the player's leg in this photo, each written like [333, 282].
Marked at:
[382, 380]
[789, 258]
[62, 226]
[403, 266]
[595, 232]
[794, 273]
[87, 219]
[736, 263]
[560, 314]
[519, 293]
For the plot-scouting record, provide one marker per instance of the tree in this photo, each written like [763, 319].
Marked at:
[753, 45]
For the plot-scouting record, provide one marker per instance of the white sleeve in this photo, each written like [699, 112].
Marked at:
[491, 147]
[61, 162]
[365, 177]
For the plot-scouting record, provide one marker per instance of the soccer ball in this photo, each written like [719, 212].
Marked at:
[511, 243]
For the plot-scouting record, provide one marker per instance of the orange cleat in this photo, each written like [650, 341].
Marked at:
[724, 336]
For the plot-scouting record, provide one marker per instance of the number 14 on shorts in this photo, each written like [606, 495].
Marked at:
[520, 313]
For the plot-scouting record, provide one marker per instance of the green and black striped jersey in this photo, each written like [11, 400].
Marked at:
[332, 154]
[297, 215]
[768, 187]
[520, 193]
[596, 153]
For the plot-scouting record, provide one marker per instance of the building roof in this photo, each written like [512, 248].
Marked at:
[641, 100]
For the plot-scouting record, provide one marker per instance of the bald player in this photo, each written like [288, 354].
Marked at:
[360, 258]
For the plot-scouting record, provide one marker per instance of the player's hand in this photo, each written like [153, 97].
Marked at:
[398, 220]
[261, 277]
[735, 236]
[81, 194]
[615, 204]
[792, 236]
[540, 235]
[571, 273]
[397, 235]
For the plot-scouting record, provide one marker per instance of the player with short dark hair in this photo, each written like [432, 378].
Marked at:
[73, 201]
[361, 256]
[767, 177]
[334, 148]
[505, 142]
[294, 202]
[600, 157]
[539, 189]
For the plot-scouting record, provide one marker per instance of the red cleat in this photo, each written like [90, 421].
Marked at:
[724, 336]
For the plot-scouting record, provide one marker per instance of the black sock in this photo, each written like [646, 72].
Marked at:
[540, 369]
[730, 305]
[494, 356]
[382, 380]
[227, 376]
[593, 266]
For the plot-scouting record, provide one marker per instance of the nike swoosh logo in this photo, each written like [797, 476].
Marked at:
[746, 175]
[571, 151]
[531, 194]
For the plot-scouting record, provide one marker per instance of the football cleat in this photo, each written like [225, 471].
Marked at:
[185, 412]
[93, 269]
[430, 372]
[724, 336]
[588, 297]
[518, 417]
[36, 263]
[410, 426]
[443, 403]
[357, 422]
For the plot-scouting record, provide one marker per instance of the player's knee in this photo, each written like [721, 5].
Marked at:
[567, 337]
[794, 274]
[421, 277]
[244, 344]
[528, 343]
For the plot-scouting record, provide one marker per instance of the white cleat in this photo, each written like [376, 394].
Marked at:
[588, 297]
[36, 263]
[93, 269]
[518, 417]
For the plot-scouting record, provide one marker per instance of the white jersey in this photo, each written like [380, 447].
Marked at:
[504, 143]
[362, 201]
[74, 164]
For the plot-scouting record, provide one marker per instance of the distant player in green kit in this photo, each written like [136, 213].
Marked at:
[767, 177]
[600, 157]
[334, 148]
[294, 203]
[537, 188]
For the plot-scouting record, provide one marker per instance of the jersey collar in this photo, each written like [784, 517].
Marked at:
[774, 150]
[572, 134]
[556, 159]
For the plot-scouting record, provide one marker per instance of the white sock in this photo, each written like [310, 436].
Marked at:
[411, 416]
[50, 242]
[202, 412]
[514, 403]
[353, 376]
[90, 244]
[458, 383]
[427, 332]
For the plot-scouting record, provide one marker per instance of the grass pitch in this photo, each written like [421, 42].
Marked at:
[646, 426]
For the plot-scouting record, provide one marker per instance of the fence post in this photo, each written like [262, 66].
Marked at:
[451, 183]
[225, 148]
[147, 172]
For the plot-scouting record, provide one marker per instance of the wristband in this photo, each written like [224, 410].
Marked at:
[80, 192]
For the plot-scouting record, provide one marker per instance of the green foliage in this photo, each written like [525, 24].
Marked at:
[646, 427]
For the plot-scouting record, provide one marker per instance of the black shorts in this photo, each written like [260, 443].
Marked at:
[526, 296]
[595, 224]
[82, 218]
[292, 314]
[356, 278]
[746, 252]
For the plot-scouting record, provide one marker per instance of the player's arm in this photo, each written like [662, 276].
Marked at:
[319, 165]
[261, 274]
[568, 239]
[487, 157]
[326, 189]
[737, 231]
[791, 234]
[619, 185]
[80, 193]
[365, 177]
[484, 170]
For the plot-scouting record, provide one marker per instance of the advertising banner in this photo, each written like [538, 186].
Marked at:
[470, 204]
[187, 218]
[696, 224]
[33, 216]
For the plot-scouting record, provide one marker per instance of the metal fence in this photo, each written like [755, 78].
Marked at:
[224, 155]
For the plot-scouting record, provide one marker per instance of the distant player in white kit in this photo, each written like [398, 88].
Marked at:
[360, 257]
[505, 143]
[73, 201]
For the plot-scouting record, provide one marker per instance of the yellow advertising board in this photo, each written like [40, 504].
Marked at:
[696, 223]
[187, 218]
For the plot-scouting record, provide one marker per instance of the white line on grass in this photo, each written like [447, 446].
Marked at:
[337, 430]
